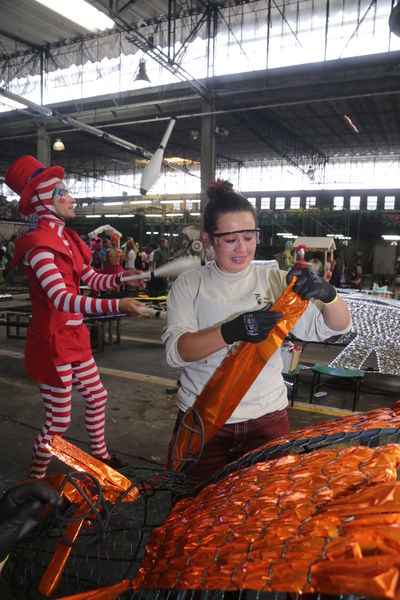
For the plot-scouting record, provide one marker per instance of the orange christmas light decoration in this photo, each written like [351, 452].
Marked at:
[328, 521]
[234, 377]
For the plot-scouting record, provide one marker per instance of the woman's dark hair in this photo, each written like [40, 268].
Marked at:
[223, 199]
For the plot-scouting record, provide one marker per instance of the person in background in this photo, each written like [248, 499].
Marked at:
[150, 256]
[355, 279]
[144, 265]
[359, 270]
[338, 278]
[329, 264]
[214, 307]
[10, 253]
[103, 252]
[130, 254]
[286, 262]
[141, 256]
[96, 256]
[115, 257]
[301, 262]
[316, 264]
[57, 351]
[159, 285]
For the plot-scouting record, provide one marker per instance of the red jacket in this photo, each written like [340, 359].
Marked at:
[46, 339]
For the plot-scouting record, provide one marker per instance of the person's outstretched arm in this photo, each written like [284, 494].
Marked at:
[41, 260]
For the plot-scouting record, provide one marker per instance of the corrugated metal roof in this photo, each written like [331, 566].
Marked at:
[292, 111]
[25, 23]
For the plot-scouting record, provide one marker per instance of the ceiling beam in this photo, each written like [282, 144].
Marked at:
[281, 141]
[15, 38]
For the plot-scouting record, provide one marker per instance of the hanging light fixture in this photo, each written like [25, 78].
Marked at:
[310, 172]
[58, 145]
[141, 78]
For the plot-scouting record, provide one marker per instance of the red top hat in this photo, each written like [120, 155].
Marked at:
[25, 174]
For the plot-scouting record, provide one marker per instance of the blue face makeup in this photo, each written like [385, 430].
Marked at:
[60, 191]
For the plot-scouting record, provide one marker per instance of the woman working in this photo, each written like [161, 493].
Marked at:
[226, 301]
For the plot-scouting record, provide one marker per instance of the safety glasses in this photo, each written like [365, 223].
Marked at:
[231, 238]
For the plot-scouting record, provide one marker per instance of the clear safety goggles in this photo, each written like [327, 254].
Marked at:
[231, 238]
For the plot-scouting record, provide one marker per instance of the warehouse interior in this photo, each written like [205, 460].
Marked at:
[297, 104]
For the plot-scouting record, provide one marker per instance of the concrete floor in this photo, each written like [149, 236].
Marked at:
[141, 413]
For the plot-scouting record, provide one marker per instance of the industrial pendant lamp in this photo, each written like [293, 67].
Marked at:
[58, 145]
[141, 78]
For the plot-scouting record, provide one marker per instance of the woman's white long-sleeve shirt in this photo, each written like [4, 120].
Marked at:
[207, 296]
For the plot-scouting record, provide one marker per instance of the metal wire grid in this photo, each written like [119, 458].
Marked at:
[281, 525]
[119, 555]
[116, 557]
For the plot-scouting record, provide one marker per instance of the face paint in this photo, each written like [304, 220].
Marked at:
[60, 193]
[64, 204]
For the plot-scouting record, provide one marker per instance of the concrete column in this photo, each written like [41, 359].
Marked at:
[43, 146]
[207, 156]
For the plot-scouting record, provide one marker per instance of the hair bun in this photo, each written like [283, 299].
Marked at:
[217, 189]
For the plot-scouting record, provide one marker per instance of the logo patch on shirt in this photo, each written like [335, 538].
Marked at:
[260, 299]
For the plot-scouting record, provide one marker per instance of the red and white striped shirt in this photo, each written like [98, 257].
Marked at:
[41, 260]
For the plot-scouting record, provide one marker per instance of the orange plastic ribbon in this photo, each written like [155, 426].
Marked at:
[113, 484]
[328, 521]
[234, 377]
[51, 577]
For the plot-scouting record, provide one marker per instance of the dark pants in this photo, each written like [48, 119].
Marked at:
[232, 441]
[158, 285]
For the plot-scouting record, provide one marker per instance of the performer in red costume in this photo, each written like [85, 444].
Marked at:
[301, 262]
[57, 352]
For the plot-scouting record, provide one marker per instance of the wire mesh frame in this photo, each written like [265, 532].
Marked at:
[119, 555]
[100, 564]
[370, 438]
[303, 517]
[227, 595]
[192, 422]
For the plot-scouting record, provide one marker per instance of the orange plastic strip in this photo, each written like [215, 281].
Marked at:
[108, 593]
[327, 521]
[111, 481]
[69, 491]
[52, 575]
[113, 484]
[235, 375]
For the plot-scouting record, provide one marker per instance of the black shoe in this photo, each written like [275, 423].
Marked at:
[114, 462]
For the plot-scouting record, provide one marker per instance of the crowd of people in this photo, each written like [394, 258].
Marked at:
[109, 257]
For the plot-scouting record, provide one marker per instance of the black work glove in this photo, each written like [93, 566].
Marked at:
[20, 511]
[309, 285]
[250, 326]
